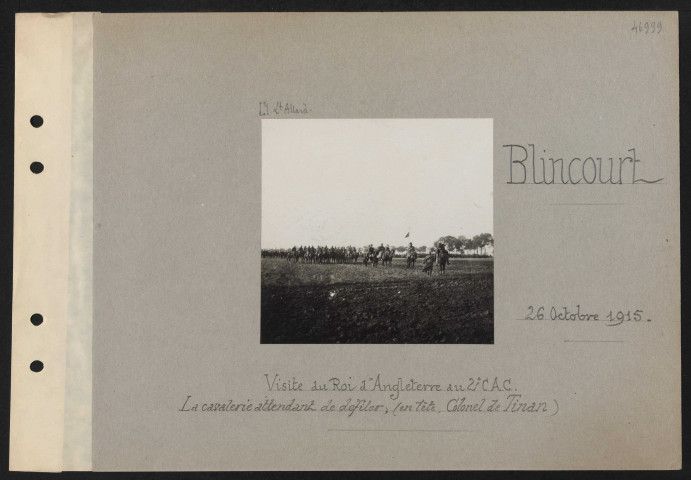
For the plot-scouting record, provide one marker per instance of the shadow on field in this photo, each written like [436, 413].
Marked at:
[335, 303]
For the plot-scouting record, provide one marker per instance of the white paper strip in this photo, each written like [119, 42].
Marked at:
[43, 79]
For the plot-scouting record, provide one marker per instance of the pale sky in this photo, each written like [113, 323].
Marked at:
[362, 181]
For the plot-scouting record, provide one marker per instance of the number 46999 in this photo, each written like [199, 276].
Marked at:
[647, 27]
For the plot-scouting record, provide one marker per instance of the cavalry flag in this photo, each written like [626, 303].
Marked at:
[407, 235]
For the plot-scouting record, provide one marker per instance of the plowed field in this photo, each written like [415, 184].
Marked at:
[346, 303]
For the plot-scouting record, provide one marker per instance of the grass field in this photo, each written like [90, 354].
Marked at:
[346, 303]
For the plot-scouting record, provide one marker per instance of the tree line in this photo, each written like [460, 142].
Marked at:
[477, 244]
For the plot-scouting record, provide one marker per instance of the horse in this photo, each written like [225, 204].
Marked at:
[371, 257]
[292, 255]
[410, 259]
[442, 260]
[428, 265]
[387, 258]
[374, 258]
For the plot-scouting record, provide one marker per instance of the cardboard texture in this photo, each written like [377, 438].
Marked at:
[178, 103]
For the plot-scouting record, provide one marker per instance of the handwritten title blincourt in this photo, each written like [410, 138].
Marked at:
[527, 168]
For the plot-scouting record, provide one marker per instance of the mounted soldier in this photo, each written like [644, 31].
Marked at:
[442, 257]
[411, 256]
[428, 262]
[387, 258]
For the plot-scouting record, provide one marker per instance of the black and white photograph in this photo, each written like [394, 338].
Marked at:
[377, 231]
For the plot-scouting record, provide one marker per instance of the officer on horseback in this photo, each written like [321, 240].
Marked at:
[442, 257]
[428, 262]
[411, 256]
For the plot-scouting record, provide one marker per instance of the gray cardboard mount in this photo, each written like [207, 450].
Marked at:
[176, 293]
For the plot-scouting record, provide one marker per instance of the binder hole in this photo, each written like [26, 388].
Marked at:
[36, 167]
[37, 319]
[36, 121]
[36, 366]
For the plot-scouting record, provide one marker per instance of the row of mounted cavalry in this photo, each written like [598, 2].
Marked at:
[367, 256]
